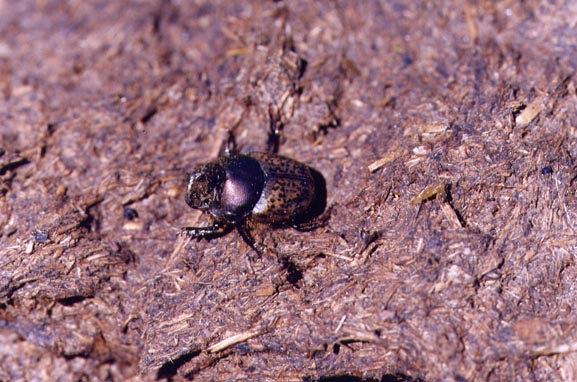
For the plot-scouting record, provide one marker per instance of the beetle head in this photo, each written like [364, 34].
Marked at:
[205, 185]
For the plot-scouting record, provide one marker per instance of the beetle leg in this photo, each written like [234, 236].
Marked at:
[215, 230]
[244, 232]
[230, 146]
[275, 127]
[317, 222]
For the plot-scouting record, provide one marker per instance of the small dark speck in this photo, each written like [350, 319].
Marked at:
[546, 170]
[407, 60]
[130, 213]
[336, 348]
[442, 70]
[40, 236]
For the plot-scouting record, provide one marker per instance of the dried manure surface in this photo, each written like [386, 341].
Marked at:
[446, 134]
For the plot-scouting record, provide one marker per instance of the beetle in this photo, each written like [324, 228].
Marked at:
[239, 189]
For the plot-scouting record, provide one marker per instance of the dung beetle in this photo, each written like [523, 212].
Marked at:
[260, 187]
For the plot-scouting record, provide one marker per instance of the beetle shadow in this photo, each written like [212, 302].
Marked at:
[319, 203]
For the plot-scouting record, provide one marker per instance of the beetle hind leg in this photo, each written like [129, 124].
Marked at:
[314, 223]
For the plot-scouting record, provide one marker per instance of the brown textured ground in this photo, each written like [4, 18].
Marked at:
[446, 132]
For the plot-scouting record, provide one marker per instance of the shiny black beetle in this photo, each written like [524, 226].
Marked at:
[238, 189]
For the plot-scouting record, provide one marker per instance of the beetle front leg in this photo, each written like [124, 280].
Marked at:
[215, 230]
[274, 130]
[231, 147]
